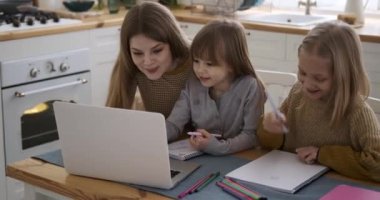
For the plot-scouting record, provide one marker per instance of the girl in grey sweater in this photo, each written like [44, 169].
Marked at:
[223, 96]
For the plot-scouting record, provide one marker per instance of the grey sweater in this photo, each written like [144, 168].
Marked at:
[234, 115]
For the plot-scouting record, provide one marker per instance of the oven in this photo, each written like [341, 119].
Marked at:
[29, 87]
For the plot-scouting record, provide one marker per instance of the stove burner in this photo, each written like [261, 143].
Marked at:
[30, 18]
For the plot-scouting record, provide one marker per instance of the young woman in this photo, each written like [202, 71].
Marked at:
[154, 56]
[224, 96]
[328, 119]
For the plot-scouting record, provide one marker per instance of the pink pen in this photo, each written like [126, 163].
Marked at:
[199, 134]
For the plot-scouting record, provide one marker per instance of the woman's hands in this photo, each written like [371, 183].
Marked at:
[308, 154]
[274, 123]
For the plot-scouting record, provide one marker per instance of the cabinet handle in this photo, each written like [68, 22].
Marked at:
[77, 82]
[248, 33]
[184, 26]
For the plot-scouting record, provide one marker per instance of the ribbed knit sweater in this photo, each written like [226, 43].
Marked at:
[160, 95]
[352, 149]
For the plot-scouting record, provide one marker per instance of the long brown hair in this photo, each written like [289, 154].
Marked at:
[225, 39]
[154, 21]
[339, 43]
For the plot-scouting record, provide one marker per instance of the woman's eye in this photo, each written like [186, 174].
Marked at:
[157, 51]
[137, 53]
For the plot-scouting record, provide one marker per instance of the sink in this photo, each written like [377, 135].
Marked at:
[289, 19]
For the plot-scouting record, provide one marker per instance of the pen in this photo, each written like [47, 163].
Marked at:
[198, 134]
[244, 190]
[232, 191]
[193, 187]
[208, 181]
[201, 182]
[277, 113]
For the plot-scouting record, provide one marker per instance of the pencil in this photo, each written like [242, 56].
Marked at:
[193, 187]
[233, 191]
[208, 181]
[276, 112]
[241, 188]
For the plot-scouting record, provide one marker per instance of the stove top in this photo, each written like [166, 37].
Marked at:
[32, 20]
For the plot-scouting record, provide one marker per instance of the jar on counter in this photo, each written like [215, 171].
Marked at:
[113, 6]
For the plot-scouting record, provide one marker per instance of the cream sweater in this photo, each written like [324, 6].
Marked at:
[353, 149]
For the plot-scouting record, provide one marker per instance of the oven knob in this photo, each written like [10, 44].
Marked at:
[50, 66]
[34, 72]
[64, 67]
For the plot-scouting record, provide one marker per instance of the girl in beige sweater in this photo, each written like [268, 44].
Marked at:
[328, 119]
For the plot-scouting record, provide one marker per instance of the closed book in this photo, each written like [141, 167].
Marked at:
[352, 193]
[279, 170]
[182, 150]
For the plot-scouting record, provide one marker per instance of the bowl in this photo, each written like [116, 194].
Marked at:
[78, 6]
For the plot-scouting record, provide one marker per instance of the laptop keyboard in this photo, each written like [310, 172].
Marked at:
[173, 173]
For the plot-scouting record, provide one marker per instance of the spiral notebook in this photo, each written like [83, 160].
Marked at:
[182, 150]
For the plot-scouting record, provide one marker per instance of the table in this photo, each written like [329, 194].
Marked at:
[42, 178]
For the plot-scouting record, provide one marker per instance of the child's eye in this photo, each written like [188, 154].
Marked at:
[209, 64]
[196, 60]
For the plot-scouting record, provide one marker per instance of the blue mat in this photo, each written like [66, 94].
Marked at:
[225, 164]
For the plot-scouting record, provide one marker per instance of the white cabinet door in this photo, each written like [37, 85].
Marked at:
[191, 29]
[371, 59]
[267, 49]
[105, 46]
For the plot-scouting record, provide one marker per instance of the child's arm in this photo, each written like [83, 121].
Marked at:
[361, 160]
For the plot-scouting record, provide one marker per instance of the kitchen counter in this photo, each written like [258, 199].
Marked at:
[370, 32]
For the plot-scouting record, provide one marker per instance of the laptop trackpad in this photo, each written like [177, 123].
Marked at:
[181, 169]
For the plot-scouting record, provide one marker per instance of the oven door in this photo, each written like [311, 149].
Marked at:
[29, 122]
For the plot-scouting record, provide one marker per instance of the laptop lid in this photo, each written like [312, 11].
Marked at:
[115, 144]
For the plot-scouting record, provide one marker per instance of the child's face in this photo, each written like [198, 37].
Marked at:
[315, 74]
[210, 75]
[153, 58]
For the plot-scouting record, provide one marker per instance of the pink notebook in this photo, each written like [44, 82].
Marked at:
[349, 192]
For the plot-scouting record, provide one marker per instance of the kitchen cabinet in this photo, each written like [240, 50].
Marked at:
[371, 59]
[105, 46]
[191, 29]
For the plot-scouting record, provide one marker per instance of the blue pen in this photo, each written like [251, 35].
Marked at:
[276, 112]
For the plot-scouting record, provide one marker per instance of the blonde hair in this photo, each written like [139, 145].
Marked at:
[339, 43]
[225, 40]
[154, 21]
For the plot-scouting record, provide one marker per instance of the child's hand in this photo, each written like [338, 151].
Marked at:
[200, 141]
[273, 123]
[308, 154]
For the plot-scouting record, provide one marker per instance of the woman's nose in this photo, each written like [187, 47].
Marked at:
[147, 59]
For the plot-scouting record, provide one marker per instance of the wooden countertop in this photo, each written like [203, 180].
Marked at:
[370, 32]
[56, 179]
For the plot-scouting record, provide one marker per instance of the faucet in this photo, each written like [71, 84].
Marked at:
[307, 5]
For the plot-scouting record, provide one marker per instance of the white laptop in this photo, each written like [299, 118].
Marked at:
[117, 144]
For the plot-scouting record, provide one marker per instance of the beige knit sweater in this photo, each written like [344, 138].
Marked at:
[353, 149]
[160, 95]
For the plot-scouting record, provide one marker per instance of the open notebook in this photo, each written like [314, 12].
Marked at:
[279, 170]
